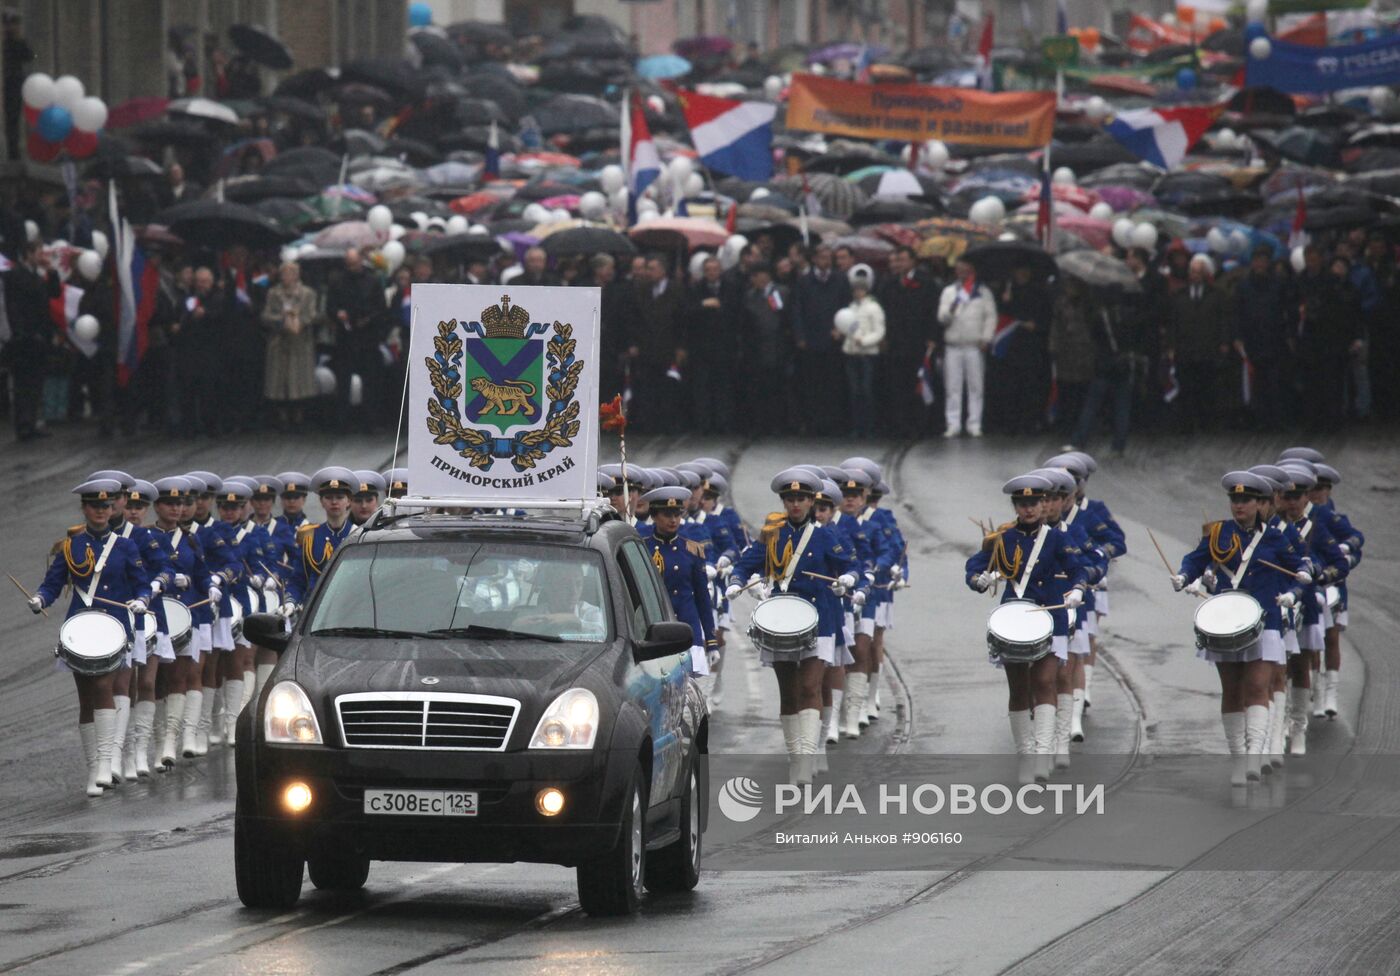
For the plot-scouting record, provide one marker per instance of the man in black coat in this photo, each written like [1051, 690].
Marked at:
[1264, 318]
[819, 294]
[29, 286]
[910, 300]
[355, 308]
[711, 339]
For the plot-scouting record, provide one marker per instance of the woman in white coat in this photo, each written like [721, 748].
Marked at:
[861, 327]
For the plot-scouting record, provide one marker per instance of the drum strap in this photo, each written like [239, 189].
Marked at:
[1069, 517]
[175, 538]
[1020, 585]
[126, 530]
[243, 531]
[796, 557]
[87, 595]
[1245, 557]
[1306, 529]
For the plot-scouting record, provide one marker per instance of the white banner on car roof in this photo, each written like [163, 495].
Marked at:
[503, 393]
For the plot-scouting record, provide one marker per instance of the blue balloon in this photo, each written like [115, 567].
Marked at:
[55, 122]
[1186, 79]
[419, 15]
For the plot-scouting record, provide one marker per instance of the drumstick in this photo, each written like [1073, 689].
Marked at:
[201, 603]
[1265, 562]
[27, 594]
[271, 575]
[1158, 547]
[114, 603]
[978, 522]
[829, 579]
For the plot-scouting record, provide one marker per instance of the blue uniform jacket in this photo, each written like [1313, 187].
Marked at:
[1344, 532]
[124, 576]
[1093, 516]
[1222, 546]
[155, 554]
[187, 557]
[739, 536]
[826, 553]
[681, 563]
[316, 544]
[1007, 553]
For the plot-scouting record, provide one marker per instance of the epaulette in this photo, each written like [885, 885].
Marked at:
[73, 530]
[304, 528]
[1208, 527]
[696, 549]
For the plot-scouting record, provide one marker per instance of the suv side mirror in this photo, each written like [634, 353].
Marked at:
[665, 638]
[267, 630]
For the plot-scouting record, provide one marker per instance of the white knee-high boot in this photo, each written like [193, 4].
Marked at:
[249, 678]
[789, 724]
[822, 766]
[1256, 733]
[233, 707]
[104, 723]
[170, 735]
[808, 728]
[832, 732]
[1023, 738]
[210, 730]
[1278, 714]
[142, 721]
[194, 709]
[1233, 723]
[87, 733]
[1076, 728]
[264, 671]
[1064, 718]
[1043, 720]
[856, 684]
[872, 698]
[1329, 693]
[1299, 700]
[1088, 683]
[118, 757]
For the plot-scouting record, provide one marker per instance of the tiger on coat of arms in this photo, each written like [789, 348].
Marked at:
[505, 399]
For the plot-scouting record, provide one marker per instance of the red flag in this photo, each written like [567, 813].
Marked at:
[611, 415]
[730, 220]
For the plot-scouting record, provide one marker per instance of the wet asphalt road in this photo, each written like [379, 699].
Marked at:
[142, 881]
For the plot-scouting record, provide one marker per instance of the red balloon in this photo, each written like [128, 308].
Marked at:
[40, 149]
[31, 116]
[80, 144]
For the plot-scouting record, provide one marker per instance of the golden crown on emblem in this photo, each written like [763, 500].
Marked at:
[504, 321]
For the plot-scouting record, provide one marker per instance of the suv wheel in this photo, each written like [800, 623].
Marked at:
[612, 884]
[676, 867]
[268, 875]
[346, 872]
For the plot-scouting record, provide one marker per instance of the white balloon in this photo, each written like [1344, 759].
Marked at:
[1217, 240]
[988, 210]
[379, 218]
[1101, 211]
[90, 114]
[936, 154]
[1123, 232]
[617, 199]
[31, 231]
[393, 253]
[457, 224]
[611, 178]
[1096, 108]
[306, 250]
[325, 380]
[1169, 19]
[396, 231]
[1226, 139]
[846, 320]
[680, 167]
[1144, 236]
[68, 92]
[89, 265]
[647, 205]
[1297, 260]
[558, 215]
[772, 87]
[592, 205]
[287, 255]
[1256, 11]
[759, 193]
[1064, 176]
[100, 244]
[1239, 242]
[1380, 98]
[477, 230]
[1260, 49]
[818, 69]
[85, 327]
[736, 243]
[437, 223]
[697, 264]
[535, 213]
[694, 185]
[904, 152]
[420, 219]
[647, 216]
[37, 91]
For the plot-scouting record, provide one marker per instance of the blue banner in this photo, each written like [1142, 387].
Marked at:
[1299, 68]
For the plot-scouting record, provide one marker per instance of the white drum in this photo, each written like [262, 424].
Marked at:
[236, 622]
[784, 627]
[179, 622]
[92, 643]
[1229, 623]
[1020, 632]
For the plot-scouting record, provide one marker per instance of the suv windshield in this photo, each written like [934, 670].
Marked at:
[463, 590]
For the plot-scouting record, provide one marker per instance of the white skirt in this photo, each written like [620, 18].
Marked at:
[1079, 643]
[140, 648]
[848, 627]
[203, 641]
[1310, 637]
[1269, 647]
[165, 650]
[699, 661]
[1101, 603]
[1290, 641]
[222, 635]
[884, 615]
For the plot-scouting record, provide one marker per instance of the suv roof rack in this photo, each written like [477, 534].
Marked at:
[593, 512]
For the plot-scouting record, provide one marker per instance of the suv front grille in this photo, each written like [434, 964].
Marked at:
[426, 720]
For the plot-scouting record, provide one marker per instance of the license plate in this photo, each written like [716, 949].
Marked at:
[421, 803]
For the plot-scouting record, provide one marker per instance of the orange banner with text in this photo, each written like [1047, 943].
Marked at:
[913, 113]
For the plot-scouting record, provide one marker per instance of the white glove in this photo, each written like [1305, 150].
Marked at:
[156, 587]
[981, 582]
[182, 582]
[256, 581]
[215, 594]
[1178, 582]
[1285, 600]
[36, 604]
[838, 589]
[1208, 579]
[723, 563]
[1196, 588]
[733, 591]
[1074, 598]
[712, 658]
[1303, 576]
[136, 606]
[858, 599]
[1346, 549]
[287, 609]
[896, 573]
[902, 585]
[848, 580]
[762, 591]
[710, 571]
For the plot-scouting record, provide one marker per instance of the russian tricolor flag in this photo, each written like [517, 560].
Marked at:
[732, 137]
[639, 154]
[1162, 136]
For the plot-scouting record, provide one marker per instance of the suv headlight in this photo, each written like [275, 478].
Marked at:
[570, 722]
[289, 716]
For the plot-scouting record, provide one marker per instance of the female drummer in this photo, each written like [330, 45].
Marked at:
[1231, 556]
[799, 557]
[179, 670]
[101, 566]
[1028, 558]
[1271, 512]
[825, 509]
[154, 628]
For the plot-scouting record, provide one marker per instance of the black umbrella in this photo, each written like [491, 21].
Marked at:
[190, 135]
[403, 207]
[287, 213]
[1383, 181]
[583, 241]
[1086, 157]
[219, 224]
[889, 210]
[1263, 101]
[250, 189]
[477, 138]
[316, 164]
[396, 77]
[357, 93]
[361, 142]
[1135, 175]
[998, 259]
[502, 89]
[574, 113]
[412, 151]
[842, 163]
[461, 247]
[298, 108]
[1330, 218]
[1099, 270]
[260, 46]
[436, 48]
[784, 235]
[308, 83]
[480, 32]
[124, 167]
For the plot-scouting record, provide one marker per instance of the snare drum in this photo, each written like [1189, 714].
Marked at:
[179, 622]
[1229, 624]
[235, 622]
[92, 643]
[1019, 632]
[784, 628]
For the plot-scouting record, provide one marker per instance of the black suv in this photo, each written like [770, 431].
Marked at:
[468, 687]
